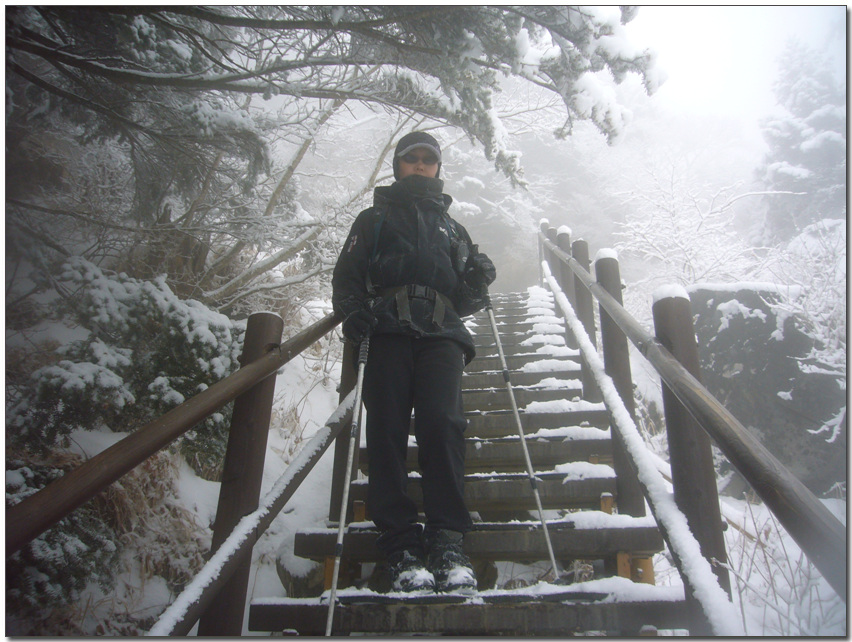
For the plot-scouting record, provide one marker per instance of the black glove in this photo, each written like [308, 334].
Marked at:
[480, 271]
[359, 324]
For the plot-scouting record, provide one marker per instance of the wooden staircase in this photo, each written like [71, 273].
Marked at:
[570, 447]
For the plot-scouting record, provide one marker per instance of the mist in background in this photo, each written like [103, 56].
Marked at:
[702, 126]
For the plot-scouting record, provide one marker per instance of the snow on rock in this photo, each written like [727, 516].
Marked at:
[732, 308]
[788, 291]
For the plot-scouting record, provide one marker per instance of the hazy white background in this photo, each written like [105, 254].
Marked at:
[721, 60]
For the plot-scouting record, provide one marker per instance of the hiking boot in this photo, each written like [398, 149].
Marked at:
[408, 573]
[451, 567]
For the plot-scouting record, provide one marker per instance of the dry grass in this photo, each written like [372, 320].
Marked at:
[160, 539]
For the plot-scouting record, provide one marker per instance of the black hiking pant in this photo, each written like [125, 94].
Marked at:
[423, 374]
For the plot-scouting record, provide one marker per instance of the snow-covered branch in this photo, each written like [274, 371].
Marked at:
[282, 255]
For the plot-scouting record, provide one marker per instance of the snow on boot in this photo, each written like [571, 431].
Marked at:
[408, 573]
[451, 567]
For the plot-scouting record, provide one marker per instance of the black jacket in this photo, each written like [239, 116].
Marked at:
[407, 237]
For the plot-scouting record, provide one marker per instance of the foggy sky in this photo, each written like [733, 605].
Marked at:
[721, 60]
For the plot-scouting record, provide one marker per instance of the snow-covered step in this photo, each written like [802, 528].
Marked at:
[594, 535]
[545, 452]
[599, 609]
[546, 449]
[501, 423]
[498, 398]
[494, 379]
[525, 325]
[510, 492]
[570, 446]
[510, 321]
[503, 307]
[536, 360]
[528, 347]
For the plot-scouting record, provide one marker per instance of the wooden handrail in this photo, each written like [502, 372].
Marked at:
[181, 615]
[818, 533]
[35, 514]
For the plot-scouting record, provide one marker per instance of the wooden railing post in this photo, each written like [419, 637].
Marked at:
[690, 455]
[554, 264]
[631, 500]
[348, 376]
[565, 277]
[242, 475]
[586, 314]
[820, 534]
[543, 224]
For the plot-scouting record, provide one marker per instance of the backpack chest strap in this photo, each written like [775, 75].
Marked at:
[403, 292]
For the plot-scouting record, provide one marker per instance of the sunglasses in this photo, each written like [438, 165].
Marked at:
[413, 159]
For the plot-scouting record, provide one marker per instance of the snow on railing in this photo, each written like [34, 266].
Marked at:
[714, 601]
[254, 524]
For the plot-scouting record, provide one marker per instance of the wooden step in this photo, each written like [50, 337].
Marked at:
[501, 423]
[514, 302]
[512, 315]
[570, 447]
[494, 379]
[530, 362]
[509, 492]
[526, 349]
[521, 542]
[514, 336]
[515, 332]
[504, 454]
[489, 614]
[498, 398]
[518, 306]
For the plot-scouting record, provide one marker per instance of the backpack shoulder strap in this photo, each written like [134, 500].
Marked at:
[380, 214]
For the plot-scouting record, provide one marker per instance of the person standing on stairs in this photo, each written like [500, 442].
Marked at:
[406, 276]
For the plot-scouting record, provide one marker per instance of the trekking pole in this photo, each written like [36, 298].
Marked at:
[530, 472]
[353, 436]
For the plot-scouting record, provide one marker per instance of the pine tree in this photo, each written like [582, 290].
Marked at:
[152, 135]
[145, 351]
[807, 145]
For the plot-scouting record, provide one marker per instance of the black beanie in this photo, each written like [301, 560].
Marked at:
[412, 141]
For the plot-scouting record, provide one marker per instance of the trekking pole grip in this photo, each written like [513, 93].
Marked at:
[363, 350]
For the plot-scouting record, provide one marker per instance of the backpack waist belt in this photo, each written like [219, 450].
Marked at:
[403, 292]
